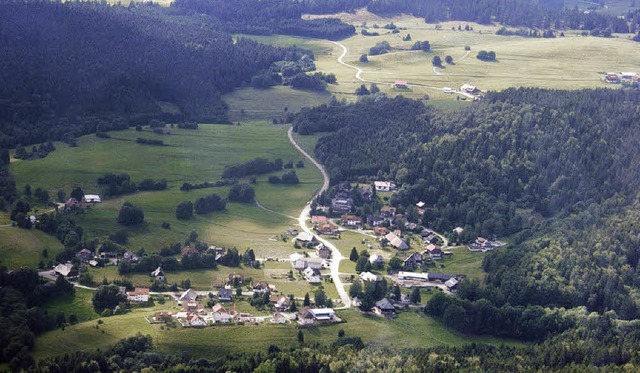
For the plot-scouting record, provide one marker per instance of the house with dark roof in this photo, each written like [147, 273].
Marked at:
[85, 255]
[67, 270]
[224, 295]
[414, 260]
[188, 295]
[188, 250]
[158, 274]
[260, 287]
[434, 252]
[384, 308]
[323, 251]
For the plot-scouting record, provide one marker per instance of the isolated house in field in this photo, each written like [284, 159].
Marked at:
[158, 274]
[91, 198]
[138, 295]
[188, 295]
[224, 295]
[67, 270]
[400, 84]
[384, 308]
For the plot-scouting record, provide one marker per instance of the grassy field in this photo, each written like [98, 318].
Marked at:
[410, 329]
[24, 247]
[78, 303]
[191, 156]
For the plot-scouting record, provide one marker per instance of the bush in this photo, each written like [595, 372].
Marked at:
[242, 193]
[184, 210]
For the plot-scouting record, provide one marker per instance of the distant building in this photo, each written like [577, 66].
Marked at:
[470, 89]
[434, 252]
[67, 270]
[370, 277]
[400, 84]
[323, 251]
[158, 274]
[188, 295]
[224, 295]
[91, 198]
[384, 186]
[396, 241]
[376, 259]
[384, 308]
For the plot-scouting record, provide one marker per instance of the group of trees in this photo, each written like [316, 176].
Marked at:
[130, 214]
[202, 205]
[288, 177]
[256, 166]
[119, 184]
[242, 193]
[381, 47]
[486, 56]
[22, 295]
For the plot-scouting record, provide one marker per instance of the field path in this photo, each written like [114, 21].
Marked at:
[302, 220]
[260, 206]
[359, 71]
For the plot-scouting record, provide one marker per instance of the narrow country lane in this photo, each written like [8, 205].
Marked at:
[302, 220]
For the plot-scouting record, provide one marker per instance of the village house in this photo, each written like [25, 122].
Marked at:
[350, 220]
[158, 274]
[188, 295]
[319, 219]
[388, 212]
[130, 257]
[396, 241]
[305, 237]
[440, 277]
[162, 316]
[280, 302]
[279, 318]
[458, 230]
[193, 306]
[434, 252]
[224, 295]
[85, 255]
[380, 231]
[66, 270]
[375, 220]
[194, 320]
[138, 295]
[72, 203]
[327, 229]
[414, 260]
[376, 260]
[244, 317]
[366, 193]
[217, 251]
[370, 277]
[220, 314]
[341, 205]
[384, 186]
[384, 308]
[235, 279]
[261, 287]
[323, 251]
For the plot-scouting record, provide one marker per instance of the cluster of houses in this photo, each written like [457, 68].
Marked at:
[310, 267]
[623, 76]
[195, 314]
[72, 203]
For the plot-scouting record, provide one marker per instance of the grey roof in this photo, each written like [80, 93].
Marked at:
[385, 305]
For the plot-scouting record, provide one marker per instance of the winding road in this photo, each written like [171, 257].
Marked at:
[302, 221]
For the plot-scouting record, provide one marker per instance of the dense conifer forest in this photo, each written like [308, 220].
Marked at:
[69, 69]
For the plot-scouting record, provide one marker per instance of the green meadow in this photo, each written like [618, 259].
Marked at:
[410, 329]
[189, 156]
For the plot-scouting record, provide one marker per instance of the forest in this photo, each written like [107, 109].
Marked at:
[554, 171]
[74, 68]
[541, 14]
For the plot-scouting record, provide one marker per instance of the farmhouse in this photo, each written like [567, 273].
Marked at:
[384, 186]
[138, 295]
[396, 241]
[67, 270]
[470, 89]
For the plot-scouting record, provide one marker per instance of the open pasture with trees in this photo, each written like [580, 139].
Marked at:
[190, 156]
